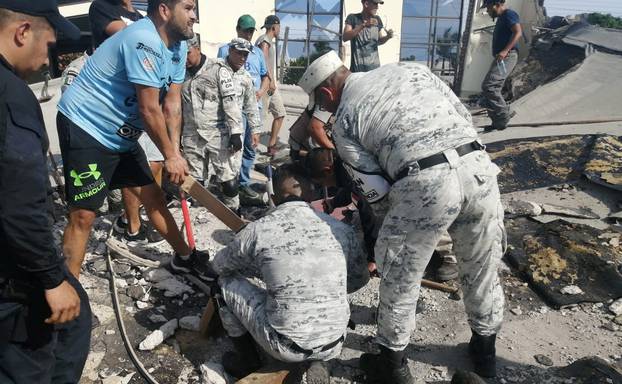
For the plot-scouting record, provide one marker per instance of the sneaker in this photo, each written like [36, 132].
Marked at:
[120, 225]
[145, 236]
[197, 264]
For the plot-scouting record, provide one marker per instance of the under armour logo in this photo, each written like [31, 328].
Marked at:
[78, 177]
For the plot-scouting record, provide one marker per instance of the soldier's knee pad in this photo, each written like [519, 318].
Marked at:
[230, 188]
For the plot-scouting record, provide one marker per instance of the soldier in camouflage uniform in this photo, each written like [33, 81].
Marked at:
[410, 144]
[214, 98]
[306, 263]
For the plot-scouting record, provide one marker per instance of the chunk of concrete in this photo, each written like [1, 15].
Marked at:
[616, 307]
[571, 290]
[173, 287]
[517, 208]
[213, 373]
[158, 336]
[157, 274]
[190, 323]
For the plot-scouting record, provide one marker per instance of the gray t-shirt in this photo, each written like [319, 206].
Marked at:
[364, 46]
[271, 58]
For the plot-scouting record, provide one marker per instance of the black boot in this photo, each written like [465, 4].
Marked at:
[245, 360]
[483, 354]
[318, 373]
[388, 367]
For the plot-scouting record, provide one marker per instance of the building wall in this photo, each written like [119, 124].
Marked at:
[218, 23]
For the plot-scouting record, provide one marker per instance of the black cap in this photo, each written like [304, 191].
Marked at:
[47, 9]
[271, 20]
[491, 2]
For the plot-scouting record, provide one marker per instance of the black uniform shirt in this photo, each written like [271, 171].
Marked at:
[26, 243]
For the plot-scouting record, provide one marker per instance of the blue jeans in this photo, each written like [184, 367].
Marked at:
[248, 154]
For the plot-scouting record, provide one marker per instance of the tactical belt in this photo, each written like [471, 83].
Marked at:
[439, 158]
[297, 348]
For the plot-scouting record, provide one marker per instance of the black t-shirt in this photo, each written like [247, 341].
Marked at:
[104, 12]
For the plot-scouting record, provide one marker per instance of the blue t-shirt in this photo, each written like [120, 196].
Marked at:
[255, 64]
[102, 99]
[503, 31]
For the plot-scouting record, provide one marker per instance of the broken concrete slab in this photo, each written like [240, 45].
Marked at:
[604, 166]
[560, 254]
[589, 91]
[158, 336]
[539, 162]
[581, 213]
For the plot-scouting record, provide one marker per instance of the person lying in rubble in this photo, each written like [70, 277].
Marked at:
[326, 168]
[214, 98]
[307, 262]
[440, 179]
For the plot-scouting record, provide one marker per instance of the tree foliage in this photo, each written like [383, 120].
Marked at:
[604, 20]
[293, 75]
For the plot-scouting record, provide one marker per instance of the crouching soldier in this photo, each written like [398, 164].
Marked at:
[215, 93]
[308, 262]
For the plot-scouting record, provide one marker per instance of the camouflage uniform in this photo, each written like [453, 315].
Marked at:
[301, 257]
[214, 99]
[387, 129]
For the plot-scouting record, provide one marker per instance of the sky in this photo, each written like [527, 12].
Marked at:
[572, 7]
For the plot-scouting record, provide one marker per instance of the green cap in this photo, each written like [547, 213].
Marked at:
[246, 22]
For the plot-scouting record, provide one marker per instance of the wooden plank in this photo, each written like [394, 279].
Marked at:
[211, 202]
[263, 377]
[206, 319]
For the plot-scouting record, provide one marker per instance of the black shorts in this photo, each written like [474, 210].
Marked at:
[91, 169]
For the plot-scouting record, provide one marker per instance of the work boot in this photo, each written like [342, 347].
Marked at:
[248, 196]
[388, 367]
[245, 360]
[464, 377]
[318, 373]
[483, 354]
[447, 271]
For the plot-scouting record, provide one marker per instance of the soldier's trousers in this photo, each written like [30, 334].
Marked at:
[246, 312]
[461, 197]
[499, 110]
[205, 159]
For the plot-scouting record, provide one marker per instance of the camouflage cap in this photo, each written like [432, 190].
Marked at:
[241, 45]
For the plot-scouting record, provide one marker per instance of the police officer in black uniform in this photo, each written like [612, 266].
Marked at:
[45, 318]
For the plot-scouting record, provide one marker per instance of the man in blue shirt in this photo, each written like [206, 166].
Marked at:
[256, 66]
[505, 37]
[131, 84]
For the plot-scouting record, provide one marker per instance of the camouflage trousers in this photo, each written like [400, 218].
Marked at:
[460, 197]
[246, 312]
[205, 159]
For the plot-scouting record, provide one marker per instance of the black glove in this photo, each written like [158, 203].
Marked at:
[235, 142]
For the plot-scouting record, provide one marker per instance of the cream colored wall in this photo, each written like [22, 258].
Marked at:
[218, 19]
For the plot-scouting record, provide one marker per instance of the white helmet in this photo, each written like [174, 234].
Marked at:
[319, 70]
